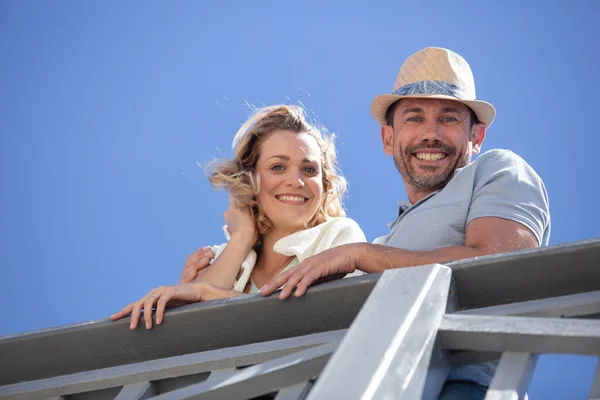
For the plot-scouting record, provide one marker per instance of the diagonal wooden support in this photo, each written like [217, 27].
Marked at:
[388, 347]
[137, 391]
[260, 379]
[160, 369]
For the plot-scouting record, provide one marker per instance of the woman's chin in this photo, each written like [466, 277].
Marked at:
[291, 226]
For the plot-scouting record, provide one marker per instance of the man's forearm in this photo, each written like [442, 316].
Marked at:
[483, 236]
[377, 258]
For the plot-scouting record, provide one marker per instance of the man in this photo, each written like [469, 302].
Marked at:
[432, 124]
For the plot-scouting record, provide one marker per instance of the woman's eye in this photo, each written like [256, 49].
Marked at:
[310, 170]
[277, 167]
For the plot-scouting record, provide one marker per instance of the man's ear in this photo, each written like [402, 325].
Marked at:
[477, 136]
[387, 138]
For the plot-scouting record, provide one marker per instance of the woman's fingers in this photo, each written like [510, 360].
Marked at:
[165, 296]
[148, 306]
[135, 314]
[120, 314]
[162, 304]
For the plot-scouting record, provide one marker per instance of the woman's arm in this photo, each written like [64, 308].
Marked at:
[225, 269]
[171, 296]
[242, 228]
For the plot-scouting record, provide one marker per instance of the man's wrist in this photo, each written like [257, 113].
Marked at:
[371, 258]
[359, 254]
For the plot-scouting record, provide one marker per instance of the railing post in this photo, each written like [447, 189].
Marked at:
[388, 347]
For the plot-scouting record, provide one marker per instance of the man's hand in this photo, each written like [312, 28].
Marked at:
[195, 263]
[338, 260]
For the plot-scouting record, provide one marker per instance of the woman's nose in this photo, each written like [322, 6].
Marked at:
[295, 180]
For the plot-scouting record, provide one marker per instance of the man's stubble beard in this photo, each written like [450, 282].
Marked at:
[430, 181]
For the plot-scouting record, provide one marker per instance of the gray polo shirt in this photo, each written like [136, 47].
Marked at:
[498, 183]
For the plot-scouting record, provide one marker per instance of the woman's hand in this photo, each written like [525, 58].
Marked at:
[239, 219]
[171, 296]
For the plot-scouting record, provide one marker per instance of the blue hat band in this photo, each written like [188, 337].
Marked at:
[432, 87]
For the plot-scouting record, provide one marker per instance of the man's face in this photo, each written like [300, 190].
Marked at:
[430, 139]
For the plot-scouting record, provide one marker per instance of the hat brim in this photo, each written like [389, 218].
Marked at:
[485, 111]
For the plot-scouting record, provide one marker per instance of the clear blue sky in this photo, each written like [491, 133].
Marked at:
[107, 108]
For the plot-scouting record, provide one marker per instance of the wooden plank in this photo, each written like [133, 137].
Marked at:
[387, 350]
[520, 334]
[512, 376]
[137, 391]
[188, 329]
[260, 379]
[162, 369]
[574, 305]
[527, 275]
[482, 282]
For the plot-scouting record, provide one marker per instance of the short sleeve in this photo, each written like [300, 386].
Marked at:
[505, 186]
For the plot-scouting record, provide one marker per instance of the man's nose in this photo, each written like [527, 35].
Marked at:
[432, 130]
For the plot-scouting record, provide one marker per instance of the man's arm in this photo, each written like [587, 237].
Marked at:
[483, 236]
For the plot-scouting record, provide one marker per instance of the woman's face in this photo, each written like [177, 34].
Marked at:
[291, 180]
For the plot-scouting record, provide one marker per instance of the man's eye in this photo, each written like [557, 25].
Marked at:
[449, 119]
[277, 167]
[414, 119]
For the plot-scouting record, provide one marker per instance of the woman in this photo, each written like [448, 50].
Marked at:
[284, 205]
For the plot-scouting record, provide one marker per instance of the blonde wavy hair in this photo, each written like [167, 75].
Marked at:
[238, 176]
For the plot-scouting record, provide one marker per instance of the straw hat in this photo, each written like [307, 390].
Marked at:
[434, 73]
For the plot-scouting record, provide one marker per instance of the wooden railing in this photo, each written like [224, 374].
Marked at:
[390, 335]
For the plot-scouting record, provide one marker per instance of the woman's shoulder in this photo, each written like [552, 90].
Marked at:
[331, 233]
[337, 231]
[340, 223]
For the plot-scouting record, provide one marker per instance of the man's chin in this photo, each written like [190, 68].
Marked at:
[429, 180]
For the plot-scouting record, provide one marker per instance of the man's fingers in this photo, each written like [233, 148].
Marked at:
[290, 285]
[186, 278]
[303, 285]
[198, 255]
[200, 264]
[205, 252]
[275, 283]
[195, 263]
